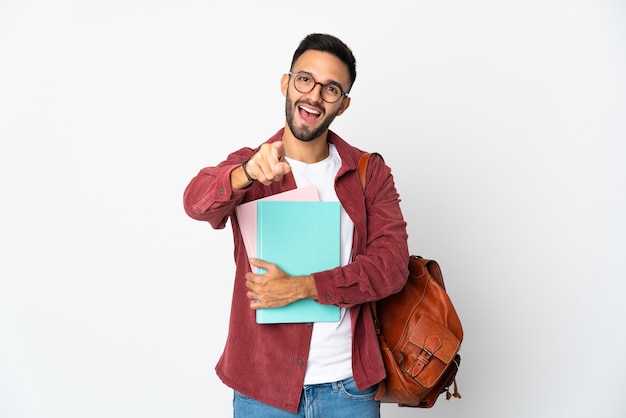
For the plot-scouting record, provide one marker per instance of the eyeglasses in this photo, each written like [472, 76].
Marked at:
[305, 83]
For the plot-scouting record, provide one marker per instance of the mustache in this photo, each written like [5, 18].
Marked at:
[309, 103]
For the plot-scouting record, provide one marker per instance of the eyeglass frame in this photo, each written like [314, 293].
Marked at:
[315, 83]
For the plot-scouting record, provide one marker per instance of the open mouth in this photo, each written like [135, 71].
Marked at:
[309, 114]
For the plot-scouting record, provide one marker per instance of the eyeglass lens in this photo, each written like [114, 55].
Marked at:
[304, 83]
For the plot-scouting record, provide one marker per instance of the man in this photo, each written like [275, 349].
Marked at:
[325, 369]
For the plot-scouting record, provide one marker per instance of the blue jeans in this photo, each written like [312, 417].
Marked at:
[328, 400]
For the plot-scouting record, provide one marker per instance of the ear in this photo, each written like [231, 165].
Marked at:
[284, 84]
[344, 105]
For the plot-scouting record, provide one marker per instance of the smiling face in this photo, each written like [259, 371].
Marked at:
[308, 115]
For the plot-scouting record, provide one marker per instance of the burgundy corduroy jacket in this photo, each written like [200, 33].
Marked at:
[268, 362]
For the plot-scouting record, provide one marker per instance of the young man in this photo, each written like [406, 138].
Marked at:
[326, 369]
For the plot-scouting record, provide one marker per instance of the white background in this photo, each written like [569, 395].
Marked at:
[505, 126]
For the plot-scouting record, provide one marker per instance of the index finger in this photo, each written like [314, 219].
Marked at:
[278, 151]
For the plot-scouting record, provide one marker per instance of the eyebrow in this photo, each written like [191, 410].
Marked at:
[326, 83]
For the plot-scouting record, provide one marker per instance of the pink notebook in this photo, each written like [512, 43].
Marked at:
[247, 213]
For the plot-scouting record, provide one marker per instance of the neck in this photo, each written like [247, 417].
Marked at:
[306, 151]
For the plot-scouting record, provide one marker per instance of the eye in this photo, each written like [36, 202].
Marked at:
[303, 78]
[333, 89]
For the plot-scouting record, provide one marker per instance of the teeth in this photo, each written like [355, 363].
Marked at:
[308, 110]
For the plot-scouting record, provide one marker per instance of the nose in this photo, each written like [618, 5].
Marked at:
[317, 93]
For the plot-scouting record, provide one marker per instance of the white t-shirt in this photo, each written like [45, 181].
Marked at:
[330, 357]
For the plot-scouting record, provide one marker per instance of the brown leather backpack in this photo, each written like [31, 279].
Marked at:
[420, 335]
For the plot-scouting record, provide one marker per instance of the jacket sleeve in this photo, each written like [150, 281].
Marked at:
[209, 195]
[381, 257]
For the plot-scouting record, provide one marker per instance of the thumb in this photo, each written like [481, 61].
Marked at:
[260, 263]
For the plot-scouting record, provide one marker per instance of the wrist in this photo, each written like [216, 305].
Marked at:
[245, 171]
[308, 287]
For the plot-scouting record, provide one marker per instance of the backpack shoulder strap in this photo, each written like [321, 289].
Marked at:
[364, 159]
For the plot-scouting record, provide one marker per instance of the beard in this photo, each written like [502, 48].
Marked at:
[305, 133]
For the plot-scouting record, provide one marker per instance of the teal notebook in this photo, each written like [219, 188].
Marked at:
[301, 238]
